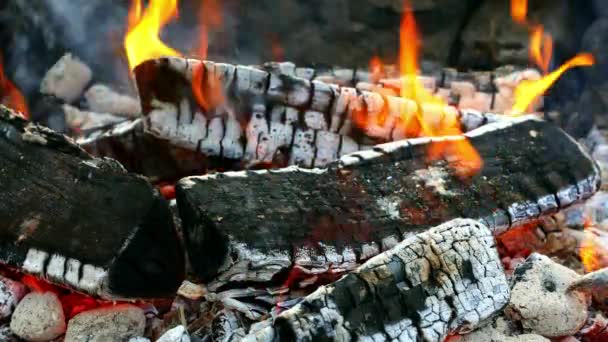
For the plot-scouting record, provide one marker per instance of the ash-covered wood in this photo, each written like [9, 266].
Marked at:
[82, 222]
[251, 225]
[446, 280]
[145, 154]
[272, 117]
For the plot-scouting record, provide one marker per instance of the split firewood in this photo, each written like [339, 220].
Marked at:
[252, 225]
[448, 279]
[276, 116]
[142, 153]
[82, 222]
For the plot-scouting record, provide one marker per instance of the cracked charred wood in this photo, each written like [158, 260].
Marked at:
[82, 222]
[273, 118]
[145, 154]
[251, 225]
[448, 279]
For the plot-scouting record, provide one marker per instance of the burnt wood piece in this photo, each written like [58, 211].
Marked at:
[262, 122]
[82, 222]
[143, 153]
[446, 280]
[250, 225]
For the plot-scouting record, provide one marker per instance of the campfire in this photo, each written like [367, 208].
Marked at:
[181, 192]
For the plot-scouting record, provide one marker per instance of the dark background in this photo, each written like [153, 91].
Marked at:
[467, 34]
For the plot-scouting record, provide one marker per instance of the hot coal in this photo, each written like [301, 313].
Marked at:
[82, 222]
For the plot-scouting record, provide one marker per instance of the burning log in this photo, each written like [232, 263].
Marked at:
[308, 124]
[447, 279]
[144, 154]
[250, 225]
[82, 222]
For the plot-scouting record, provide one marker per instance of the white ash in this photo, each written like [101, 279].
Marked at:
[191, 290]
[489, 333]
[458, 297]
[38, 317]
[139, 339]
[540, 299]
[6, 335]
[103, 99]
[227, 326]
[177, 334]
[85, 120]
[66, 79]
[114, 323]
[11, 292]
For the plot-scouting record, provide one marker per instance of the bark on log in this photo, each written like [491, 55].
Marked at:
[446, 280]
[82, 222]
[251, 225]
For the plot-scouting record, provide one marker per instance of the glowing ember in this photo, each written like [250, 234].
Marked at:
[376, 69]
[541, 48]
[519, 10]
[431, 117]
[527, 91]
[10, 95]
[142, 41]
[592, 250]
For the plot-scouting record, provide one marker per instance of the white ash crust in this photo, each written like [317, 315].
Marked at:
[38, 317]
[488, 333]
[103, 99]
[540, 299]
[177, 334]
[114, 323]
[84, 277]
[11, 292]
[454, 270]
[66, 79]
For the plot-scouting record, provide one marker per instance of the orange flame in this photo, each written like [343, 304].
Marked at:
[207, 88]
[376, 69]
[142, 41]
[210, 16]
[541, 48]
[519, 10]
[432, 116]
[10, 95]
[527, 91]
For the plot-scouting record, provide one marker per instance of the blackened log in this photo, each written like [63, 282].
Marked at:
[82, 222]
[250, 225]
[446, 280]
[145, 154]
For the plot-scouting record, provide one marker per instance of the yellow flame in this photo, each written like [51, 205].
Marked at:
[528, 91]
[432, 117]
[142, 41]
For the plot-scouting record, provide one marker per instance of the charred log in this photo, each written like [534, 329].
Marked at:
[82, 222]
[448, 279]
[145, 154]
[272, 115]
[250, 225]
